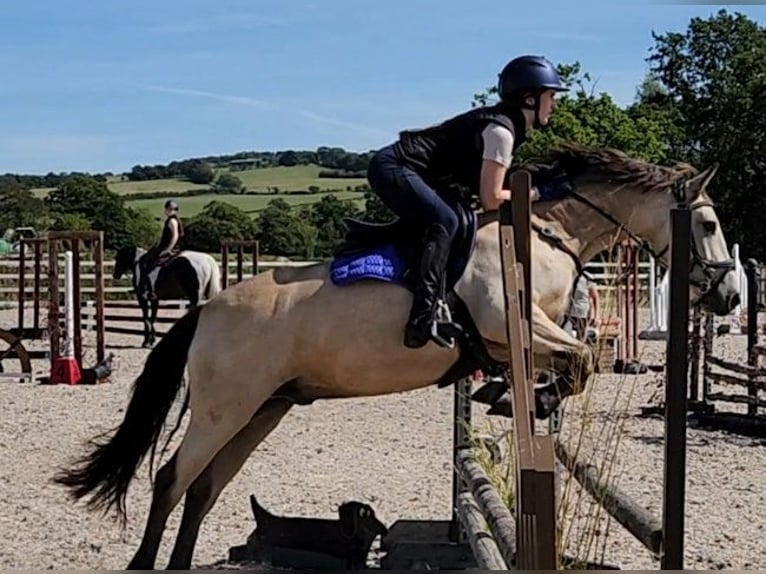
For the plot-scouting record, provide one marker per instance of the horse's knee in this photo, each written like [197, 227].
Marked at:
[574, 367]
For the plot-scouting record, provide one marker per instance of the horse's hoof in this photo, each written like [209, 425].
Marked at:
[490, 393]
[148, 345]
[545, 405]
[502, 407]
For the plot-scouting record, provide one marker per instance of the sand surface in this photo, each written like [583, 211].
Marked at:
[393, 452]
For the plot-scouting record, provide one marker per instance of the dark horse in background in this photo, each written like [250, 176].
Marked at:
[188, 275]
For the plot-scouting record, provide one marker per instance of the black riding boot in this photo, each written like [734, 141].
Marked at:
[429, 311]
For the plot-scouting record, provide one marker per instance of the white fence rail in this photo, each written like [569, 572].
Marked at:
[601, 271]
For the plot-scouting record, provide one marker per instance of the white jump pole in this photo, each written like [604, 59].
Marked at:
[652, 287]
[739, 271]
[65, 368]
[663, 293]
[69, 304]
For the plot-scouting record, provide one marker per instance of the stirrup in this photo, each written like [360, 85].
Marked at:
[443, 320]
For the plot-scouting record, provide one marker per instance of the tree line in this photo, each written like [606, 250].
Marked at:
[340, 163]
[702, 101]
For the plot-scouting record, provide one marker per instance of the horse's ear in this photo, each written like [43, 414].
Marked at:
[699, 182]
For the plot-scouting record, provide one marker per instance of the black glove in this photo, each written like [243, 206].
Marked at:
[555, 189]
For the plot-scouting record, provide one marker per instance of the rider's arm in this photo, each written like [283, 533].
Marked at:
[594, 303]
[173, 235]
[496, 158]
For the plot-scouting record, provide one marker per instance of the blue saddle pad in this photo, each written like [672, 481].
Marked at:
[382, 263]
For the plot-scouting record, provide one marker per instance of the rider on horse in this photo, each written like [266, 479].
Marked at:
[465, 156]
[172, 232]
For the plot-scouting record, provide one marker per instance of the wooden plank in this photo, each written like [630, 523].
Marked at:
[644, 526]
[748, 370]
[737, 399]
[727, 379]
[535, 493]
[497, 514]
[676, 389]
[482, 544]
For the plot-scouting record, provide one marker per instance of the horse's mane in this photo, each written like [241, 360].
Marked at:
[600, 164]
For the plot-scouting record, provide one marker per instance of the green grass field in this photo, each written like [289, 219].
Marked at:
[261, 181]
[190, 206]
[295, 178]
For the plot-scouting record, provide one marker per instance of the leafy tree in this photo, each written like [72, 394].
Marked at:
[228, 183]
[286, 232]
[70, 222]
[199, 172]
[714, 74]
[141, 226]
[91, 199]
[218, 221]
[591, 119]
[327, 216]
[375, 210]
[288, 159]
[18, 206]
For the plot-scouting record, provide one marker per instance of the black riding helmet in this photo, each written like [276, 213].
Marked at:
[525, 76]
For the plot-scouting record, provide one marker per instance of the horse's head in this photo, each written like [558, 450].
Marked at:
[713, 278]
[616, 198]
[124, 260]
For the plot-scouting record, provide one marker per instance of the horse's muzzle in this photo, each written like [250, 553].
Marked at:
[721, 301]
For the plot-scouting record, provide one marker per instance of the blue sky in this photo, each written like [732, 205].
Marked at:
[104, 85]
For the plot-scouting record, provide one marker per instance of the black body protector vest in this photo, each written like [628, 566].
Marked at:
[448, 156]
[167, 235]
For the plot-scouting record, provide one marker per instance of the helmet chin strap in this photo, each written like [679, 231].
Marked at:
[536, 107]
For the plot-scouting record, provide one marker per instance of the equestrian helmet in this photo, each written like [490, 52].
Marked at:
[527, 74]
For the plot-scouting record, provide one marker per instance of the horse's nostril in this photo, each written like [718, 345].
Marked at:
[734, 300]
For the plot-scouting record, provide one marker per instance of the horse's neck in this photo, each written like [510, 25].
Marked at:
[587, 232]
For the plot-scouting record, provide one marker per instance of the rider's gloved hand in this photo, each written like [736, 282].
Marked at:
[554, 189]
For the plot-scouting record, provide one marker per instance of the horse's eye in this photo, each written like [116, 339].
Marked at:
[709, 227]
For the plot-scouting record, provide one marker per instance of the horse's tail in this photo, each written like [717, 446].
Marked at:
[108, 469]
[214, 286]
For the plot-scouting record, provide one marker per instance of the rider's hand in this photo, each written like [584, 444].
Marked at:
[554, 189]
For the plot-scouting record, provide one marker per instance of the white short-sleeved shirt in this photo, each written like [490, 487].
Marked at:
[580, 300]
[498, 144]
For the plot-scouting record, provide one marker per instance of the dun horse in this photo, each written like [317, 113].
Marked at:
[189, 275]
[291, 336]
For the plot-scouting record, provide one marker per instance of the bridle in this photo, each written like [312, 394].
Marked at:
[704, 274]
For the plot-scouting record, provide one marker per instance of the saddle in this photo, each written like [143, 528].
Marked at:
[161, 260]
[390, 252]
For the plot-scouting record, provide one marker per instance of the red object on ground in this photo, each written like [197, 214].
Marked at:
[65, 371]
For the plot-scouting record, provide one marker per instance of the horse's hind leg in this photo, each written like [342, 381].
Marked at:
[209, 430]
[205, 490]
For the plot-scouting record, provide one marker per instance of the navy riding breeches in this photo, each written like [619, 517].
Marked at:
[405, 192]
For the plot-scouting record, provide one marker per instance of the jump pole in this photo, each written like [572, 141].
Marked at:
[674, 492]
[65, 369]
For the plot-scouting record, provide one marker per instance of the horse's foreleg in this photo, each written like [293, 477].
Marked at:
[144, 305]
[556, 350]
[155, 305]
[205, 490]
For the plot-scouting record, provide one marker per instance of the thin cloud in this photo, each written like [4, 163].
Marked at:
[241, 100]
[267, 105]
